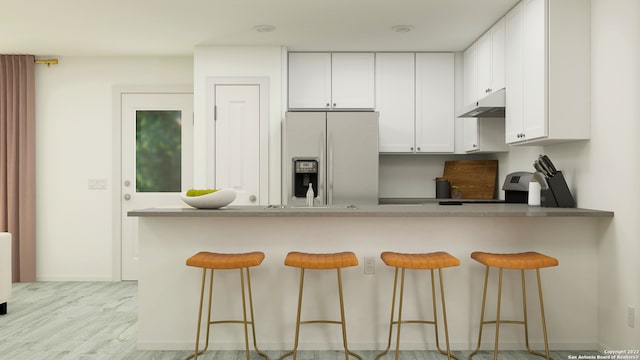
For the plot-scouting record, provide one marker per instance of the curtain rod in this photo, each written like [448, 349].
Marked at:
[49, 62]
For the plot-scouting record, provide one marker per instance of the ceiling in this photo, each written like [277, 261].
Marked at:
[175, 27]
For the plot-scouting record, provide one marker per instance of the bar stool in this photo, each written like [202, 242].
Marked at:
[216, 261]
[429, 261]
[335, 261]
[520, 261]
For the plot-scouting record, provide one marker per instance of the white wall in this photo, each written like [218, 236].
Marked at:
[606, 169]
[74, 135]
[603, 172]
[238, 61]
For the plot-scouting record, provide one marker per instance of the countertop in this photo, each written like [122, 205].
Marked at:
[385, 210]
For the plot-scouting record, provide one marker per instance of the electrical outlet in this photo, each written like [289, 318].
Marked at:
[369, 265]
[631, 316]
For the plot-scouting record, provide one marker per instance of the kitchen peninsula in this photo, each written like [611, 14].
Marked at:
[169, 290]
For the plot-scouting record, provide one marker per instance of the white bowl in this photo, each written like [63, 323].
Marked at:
[215, 200]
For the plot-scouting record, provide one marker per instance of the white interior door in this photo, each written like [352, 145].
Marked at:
[237, 141]
[157, 161]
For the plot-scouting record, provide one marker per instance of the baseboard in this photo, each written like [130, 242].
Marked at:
[74, 278]
[369, 346]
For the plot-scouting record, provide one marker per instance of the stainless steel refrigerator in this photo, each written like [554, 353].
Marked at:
[336, 152]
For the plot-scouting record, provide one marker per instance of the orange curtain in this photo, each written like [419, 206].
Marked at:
[17, 162]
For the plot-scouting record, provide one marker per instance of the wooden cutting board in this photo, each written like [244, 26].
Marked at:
[476, 179]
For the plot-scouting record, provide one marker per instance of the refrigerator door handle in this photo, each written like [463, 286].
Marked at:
[321, 176]
[330, 170]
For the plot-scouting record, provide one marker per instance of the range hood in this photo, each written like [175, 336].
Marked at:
[491, 105]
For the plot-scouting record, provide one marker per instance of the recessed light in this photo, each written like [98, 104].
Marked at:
[402, 28]
[264, 28]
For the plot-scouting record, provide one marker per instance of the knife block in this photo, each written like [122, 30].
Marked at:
[557, 194]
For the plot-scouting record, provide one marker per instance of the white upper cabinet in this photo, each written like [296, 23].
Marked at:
[309, 80]
[395, 100]
[435, 119]
[352, 80]
[470, 60]
[491, 60]
[331, 81]
[484, 64]
[548, 75]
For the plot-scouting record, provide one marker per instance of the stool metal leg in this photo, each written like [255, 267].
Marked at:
[544, 328]
[400, 314]
[244, 316]
[393, 304]
[196, 353]
[495, 351]
[294, 352]
[484, 299]
[252, 322]
[544, 323]
[444, 316]
[347, 352]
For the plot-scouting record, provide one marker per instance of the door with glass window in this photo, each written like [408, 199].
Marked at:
[157, 161]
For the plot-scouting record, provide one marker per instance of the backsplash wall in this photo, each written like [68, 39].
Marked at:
[412, 176]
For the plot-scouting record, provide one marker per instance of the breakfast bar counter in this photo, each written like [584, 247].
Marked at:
[169, 290]
[389, 210]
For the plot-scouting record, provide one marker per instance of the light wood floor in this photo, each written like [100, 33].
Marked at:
[97, 320]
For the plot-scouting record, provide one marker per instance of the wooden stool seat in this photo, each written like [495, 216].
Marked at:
[209, 260]
[435, 260]
[321, 261]
[520, 261]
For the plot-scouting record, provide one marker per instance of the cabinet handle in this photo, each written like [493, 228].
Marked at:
[418, 149]
[328, 104]
[411, 148]
[334, 104]
[475, 145]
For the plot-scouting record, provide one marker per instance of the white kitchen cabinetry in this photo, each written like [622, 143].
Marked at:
[484, 64]
[548, 72]
[309, 80]
[484, 135]
[435, 119]
[491, 60]
[470, 60]
[331, 81]
[352, 80]
[395, 101]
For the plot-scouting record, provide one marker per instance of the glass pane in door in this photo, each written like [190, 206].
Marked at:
[158, 150]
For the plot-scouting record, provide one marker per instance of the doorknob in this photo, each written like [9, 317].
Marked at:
[127, 197]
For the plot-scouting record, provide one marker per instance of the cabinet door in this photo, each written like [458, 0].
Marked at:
[309, 80]
[470, 60]
[395, 100]
[514, 110]
[535, 70]
[484, 65]
[352, 80]
[498, 32]
[435, 102]
[471, 135]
